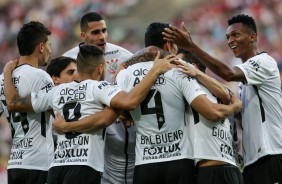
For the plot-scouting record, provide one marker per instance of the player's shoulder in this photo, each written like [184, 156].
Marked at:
[85, 85]
[115, 49]
[263, 57]
[30, 71]
[72, 53]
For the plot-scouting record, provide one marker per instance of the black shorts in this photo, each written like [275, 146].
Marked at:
[219, 175]
[27, 176]
[176, 172]
[73, 174]
[267, 169]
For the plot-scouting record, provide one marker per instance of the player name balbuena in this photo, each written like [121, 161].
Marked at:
[162, 138]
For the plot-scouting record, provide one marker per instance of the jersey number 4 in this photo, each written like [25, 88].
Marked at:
[157, 109]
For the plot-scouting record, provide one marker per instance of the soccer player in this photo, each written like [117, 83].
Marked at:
[62, 69]
[79, 156]
[213, 141]
[163, 154]
[259, 90]
[119, 141]
[32, 148]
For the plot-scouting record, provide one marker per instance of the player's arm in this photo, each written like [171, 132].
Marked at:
[13, 100]
[90, 123]
[129, 101]
[144, 55]
[213, 111]
[215, 87]
[183, 39]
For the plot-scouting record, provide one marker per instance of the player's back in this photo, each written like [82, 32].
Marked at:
[77, 100]
[159, 119]
[215, 138]
[32, 138]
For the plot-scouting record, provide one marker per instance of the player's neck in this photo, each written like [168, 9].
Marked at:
[30, 60]
[82, 76]
[250, 54]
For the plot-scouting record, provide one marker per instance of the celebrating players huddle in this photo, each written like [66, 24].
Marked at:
[163, 120]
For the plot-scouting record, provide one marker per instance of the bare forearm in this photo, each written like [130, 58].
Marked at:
[13, 100]
[93, 122]
[218, 67]
[144, 55]
[215, 87]
[20, 104]
[224, 111]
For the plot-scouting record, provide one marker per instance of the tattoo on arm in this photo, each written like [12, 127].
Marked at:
[144, 55]
[21, 101]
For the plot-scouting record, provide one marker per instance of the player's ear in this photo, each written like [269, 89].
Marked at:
[253, 37]
[101, 69]
[83, 36]
[56, 80]
[166, 46]
[41, 47]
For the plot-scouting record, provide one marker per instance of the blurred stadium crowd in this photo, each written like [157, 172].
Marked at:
[207, 22]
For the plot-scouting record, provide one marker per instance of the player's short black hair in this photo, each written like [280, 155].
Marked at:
[57, 65]
[246, 20]
[30, 35]
[153, 34]
[89, 57]
[89, 17]
[188, 57]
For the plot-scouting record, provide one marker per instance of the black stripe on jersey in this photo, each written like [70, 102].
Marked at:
[196, 116]
[103, 133]
[43, 124]
[260, 104]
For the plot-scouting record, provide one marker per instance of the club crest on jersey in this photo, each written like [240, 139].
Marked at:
[112, 65]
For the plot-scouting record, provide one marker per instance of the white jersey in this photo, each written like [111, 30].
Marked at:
[161, 127]
[3, 106]
[262, 108]
[32, 146]
[211, 140]
[77, 100]
[114, 56]
[119, 142]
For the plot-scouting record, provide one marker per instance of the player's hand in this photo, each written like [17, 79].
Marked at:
[237, 103]
[59, 123]
[165, 64]
[127, 122]
[180, 36]
[11, 65]
[189, 69]
[120, 67]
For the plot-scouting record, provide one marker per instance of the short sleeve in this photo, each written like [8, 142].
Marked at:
[41, 100]
[121, 79]
[188, 85]
[257, 70]
[105, 91]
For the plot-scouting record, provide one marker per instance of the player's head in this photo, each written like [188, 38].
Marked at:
[242, 35]
[33, 38]
[246, 20]
[188, 57]
[154, 37]
[62, 69]
[94, 30]
[91, 61]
